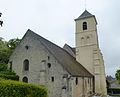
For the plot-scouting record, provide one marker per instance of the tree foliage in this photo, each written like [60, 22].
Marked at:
[6, 49]
[117, 75]
[12, 43]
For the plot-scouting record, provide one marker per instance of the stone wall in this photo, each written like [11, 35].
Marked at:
[39, 72]
[45, 70]
[84, 87]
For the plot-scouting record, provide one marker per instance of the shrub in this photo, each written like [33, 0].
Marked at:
[7, 72]
[12, 77]
[9, 75]
[114, 91]
[3, 66]
[110, 82]
[10, 88]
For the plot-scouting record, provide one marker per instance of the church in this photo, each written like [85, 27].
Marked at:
[67, 71]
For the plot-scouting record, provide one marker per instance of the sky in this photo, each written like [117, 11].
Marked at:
[54, 20]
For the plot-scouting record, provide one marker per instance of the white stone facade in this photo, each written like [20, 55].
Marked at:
[88, 52]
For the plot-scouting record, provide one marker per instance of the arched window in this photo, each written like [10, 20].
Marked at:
[84, 25]
[26, 64]
[88, 37]
[82, 38]
[88, 40]
[25, 79]
[82, 41]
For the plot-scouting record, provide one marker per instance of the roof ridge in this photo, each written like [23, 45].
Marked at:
[46, 39]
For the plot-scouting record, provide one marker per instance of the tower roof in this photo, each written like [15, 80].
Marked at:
[85, 14]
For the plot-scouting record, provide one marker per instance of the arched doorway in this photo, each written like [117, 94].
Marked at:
[25, 79]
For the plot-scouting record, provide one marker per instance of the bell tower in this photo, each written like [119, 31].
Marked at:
[87, 49]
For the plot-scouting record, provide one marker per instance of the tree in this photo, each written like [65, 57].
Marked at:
[117, 75]
[12, 43]
[1, 22]
[4, 52]
[6, 49]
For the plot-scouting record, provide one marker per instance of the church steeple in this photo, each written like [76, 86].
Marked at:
[87, 49]
[85, 14]
[86, 28]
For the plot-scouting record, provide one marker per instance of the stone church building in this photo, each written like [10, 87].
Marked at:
[67, 71]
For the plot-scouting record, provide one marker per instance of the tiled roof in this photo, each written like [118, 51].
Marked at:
[62, 56]
[85, 14]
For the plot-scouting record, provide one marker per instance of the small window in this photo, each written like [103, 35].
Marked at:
[52, 79]
[88, 81]
[48, 57]
[64, 87]
[49, 65]
[26, 65]
[25, 79]
[76, 81]
[82, 38]
[84, 25]
[88, 37]
[26, 47]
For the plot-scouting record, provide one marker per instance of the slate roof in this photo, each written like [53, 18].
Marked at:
[85, 14]
[70, 50]
[73, 49]
[62, 56]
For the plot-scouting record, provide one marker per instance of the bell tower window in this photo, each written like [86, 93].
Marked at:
[84, 25]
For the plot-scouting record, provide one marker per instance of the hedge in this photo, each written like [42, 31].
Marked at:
[9, 88]
[7, 72]
[9, 75]
[12, 77]
[113, 91]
